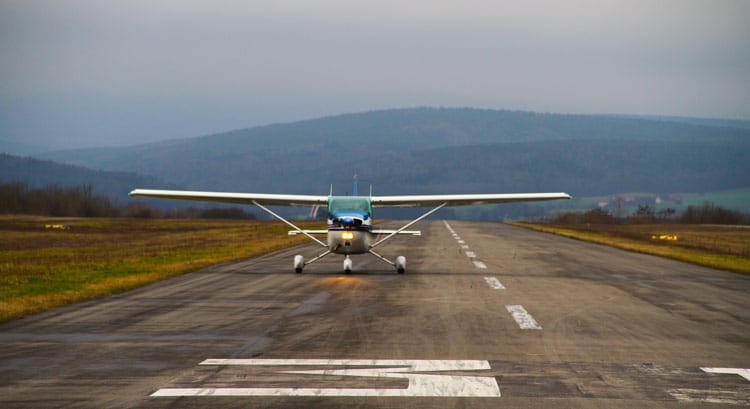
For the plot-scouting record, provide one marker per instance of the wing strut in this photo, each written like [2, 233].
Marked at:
[406, 226]
[267, 210]
[381, 257]
[312, 260]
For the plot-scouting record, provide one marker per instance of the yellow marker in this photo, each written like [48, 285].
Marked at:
[56, 226]
[669, 237]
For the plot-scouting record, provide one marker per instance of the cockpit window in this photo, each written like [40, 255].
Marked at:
[338, 204]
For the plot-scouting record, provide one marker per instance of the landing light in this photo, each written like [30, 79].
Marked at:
[347, 235]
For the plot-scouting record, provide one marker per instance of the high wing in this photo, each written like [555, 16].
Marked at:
[463, 200]
[239, 198]
[377, 201]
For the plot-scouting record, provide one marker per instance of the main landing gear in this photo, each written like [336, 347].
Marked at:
[299, 263]
[399, 264]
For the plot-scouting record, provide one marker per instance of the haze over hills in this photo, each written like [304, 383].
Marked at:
[430, 150]
[423, 151]
[37, 173]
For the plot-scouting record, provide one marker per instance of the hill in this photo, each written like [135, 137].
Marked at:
[431, 150]
[41, 173]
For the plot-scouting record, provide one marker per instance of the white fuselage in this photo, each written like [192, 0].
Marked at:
[349, 241]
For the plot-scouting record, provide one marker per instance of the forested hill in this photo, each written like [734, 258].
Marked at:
[431, 150]
[41, 173]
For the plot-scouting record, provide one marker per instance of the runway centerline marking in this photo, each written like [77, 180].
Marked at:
[494, 283]
[421, 384]
[522, 317]
[470, 254]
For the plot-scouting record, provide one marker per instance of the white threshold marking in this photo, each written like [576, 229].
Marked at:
[479, 264]
[745, 373]
[464, 246]
[471, 254]
[732, 397]
[494, 283]
[522, 318]
[461, 242]
[706, 395]
[420, 384]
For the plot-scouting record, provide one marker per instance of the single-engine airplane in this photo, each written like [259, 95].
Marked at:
[350, 229]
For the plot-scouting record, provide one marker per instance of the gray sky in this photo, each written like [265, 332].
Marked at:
[82, 73]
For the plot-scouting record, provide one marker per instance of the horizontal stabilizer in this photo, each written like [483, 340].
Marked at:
[409, 232]
[295, 232]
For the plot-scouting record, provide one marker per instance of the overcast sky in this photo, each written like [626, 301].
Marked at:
[75, 73]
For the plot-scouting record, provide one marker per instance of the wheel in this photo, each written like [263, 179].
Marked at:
[347, 265]
[299, 263]
[400, 264]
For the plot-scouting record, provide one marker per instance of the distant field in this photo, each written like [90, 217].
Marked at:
[42, 268]
[736, 199]
[731, 199]
[723, 247]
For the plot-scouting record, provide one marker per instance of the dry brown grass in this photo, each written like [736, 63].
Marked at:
[723, 247]
[44, 268]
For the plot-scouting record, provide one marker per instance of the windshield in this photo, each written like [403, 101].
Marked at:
[338, 204]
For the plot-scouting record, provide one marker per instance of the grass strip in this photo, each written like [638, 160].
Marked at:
[739, 264]
[42, 268]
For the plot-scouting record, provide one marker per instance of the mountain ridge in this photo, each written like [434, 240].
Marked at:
[442, 150]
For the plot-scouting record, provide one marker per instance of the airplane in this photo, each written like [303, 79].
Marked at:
[350, 228]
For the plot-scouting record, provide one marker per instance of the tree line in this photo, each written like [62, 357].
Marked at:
[707, 213]
[80, 201]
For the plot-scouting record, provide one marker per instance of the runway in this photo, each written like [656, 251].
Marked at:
[486, 316]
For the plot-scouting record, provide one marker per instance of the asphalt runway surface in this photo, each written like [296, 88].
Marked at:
[486, 316]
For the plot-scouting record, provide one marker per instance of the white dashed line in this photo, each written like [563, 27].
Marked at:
[470, 254]
[523, 318]
[494, 283]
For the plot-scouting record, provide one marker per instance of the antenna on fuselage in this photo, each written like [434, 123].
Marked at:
[354, 191]
[330, 193]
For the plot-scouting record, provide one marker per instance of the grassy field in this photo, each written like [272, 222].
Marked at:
[723, 247]
[43, 267]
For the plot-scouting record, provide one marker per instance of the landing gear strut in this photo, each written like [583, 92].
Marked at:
[347, 265]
